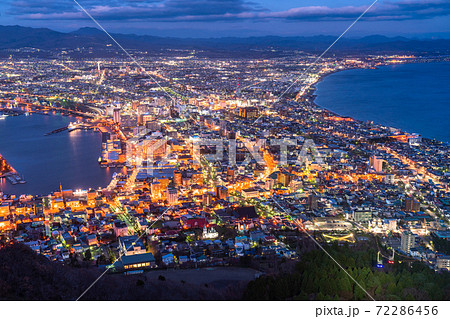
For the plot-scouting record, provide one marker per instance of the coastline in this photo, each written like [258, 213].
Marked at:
[101, 176]
[4, 162]
[313, 89]
[312, 96]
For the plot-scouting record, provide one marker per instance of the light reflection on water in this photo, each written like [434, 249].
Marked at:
[46, 161]
[412, 97]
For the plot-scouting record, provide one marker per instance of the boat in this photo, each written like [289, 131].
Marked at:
[20, 179]
[15, 179]
[72, 126]
[76, 125]
[3, 116]
[12, 179]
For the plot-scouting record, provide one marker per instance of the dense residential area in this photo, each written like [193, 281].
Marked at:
[215, 169]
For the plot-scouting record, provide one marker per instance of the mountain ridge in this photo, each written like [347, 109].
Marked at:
[18, 37]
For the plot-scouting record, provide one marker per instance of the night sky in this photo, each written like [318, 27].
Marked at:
[218, 18]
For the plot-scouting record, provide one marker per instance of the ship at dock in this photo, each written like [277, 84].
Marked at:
[78, 125]
[15, 179]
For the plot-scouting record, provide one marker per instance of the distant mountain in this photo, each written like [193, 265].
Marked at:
[17, 37]
[87, 31]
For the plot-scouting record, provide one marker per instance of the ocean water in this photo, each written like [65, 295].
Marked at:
[46, 161]
[412, 97]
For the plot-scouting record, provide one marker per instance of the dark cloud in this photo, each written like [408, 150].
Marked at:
[220, 10]
[388, 10]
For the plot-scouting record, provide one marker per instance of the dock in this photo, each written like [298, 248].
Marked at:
[15, 179]
[59, 130]
[9, 173]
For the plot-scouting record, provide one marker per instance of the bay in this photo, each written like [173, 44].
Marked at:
[46, 161]
[412, 97]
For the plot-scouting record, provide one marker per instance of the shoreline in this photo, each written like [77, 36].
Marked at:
[313, 94]
[11, 175]
[14, 189]
[312, 97]
[4, 162]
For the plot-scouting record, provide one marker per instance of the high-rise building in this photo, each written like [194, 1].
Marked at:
[376, 164]
[155, 188]
[362, 215]
[248, 112]
[284, 178]
[172, 195]
[221, 192]
[230, 173]
[411, 205]
[208, 198]
[116, 116]
[312, 202]
[223, 125]
[128, 120]
[177, 177]
[153, 125]
[408, 241]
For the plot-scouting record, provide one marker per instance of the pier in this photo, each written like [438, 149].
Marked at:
[8, 172]
[15, 179]
[78, 126]
[5, 168]
[59, 130]
[71, 127]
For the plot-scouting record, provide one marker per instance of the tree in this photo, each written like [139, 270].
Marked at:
[88, 255]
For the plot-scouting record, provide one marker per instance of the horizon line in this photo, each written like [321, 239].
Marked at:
[445, 35]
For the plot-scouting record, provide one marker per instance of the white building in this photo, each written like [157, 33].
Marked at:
[209, 233]
[408, 241]
[362, 215]
[389, 179]
[443, 262]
